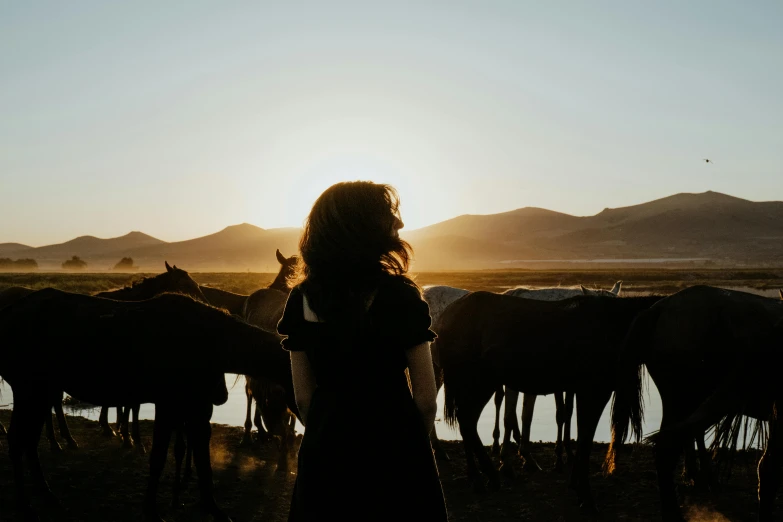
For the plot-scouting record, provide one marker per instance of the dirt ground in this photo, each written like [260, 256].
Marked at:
[104, 482]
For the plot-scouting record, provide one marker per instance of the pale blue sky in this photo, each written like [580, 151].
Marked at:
[180, 118]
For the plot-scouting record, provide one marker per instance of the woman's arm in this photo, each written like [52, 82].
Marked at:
[304, 383]
[422, 383]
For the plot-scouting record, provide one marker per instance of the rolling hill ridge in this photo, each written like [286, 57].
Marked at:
[701, 227]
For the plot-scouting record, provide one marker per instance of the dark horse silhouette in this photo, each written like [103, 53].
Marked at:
[234, 303]
[173, 280]
[11, 295]
[183, 348]
[264, 308]
[486, 340]
[694, 343]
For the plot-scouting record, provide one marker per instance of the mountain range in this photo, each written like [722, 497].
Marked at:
[707, 227]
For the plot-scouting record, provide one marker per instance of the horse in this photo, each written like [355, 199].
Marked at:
[439, 297]
[752, 384]
[7, 297]
[487, 340]
[264, 309]
[564, 402]
[172, 280]
[689, 342]
[234, 303]
[184, 347]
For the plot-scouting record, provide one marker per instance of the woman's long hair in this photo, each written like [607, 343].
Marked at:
[349, 246]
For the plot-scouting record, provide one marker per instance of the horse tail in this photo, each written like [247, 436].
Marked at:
[628, 402]
[449, 396]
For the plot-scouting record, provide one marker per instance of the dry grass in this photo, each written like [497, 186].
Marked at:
[635, 280]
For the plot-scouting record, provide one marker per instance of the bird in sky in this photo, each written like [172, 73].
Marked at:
[707, 160]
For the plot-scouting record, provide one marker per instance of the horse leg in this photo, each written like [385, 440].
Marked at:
[179, 454]
[559, 419]
[135, 433]
[666, 454]
[769, 469]
[496, 432]
[165, 420]
[247, 439]
[509, 419]
[588, 413]
[263, 434]
[3, 431]
[65, 432]
[20, 432]
[31, 453]
[569, 413]
[120, 418]
[199, 434]
[123, 423]
[188, 463]
[50, 436]
[468, 413]
[103, 422]
[528, 407]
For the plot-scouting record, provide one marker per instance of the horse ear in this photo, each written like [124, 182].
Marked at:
[168, 268]
[616, 288]
[584, 290]
[280, 257]
[175, 267]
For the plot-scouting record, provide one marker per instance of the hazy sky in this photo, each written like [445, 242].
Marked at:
[180, 118]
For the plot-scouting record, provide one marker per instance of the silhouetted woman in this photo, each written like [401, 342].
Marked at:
[354, 324]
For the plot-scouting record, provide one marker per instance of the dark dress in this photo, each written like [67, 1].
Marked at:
[365, 454]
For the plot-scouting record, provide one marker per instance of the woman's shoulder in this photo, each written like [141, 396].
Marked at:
[400, 288]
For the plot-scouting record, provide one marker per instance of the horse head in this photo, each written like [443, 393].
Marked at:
[173, 280]
[288, 268]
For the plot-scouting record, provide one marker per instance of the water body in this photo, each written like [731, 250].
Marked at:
[544, 427]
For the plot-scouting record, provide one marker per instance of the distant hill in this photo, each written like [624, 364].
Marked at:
[7, 249]
[708, 226]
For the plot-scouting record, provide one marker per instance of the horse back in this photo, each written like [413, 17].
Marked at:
[264, 308]
[12, 294]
